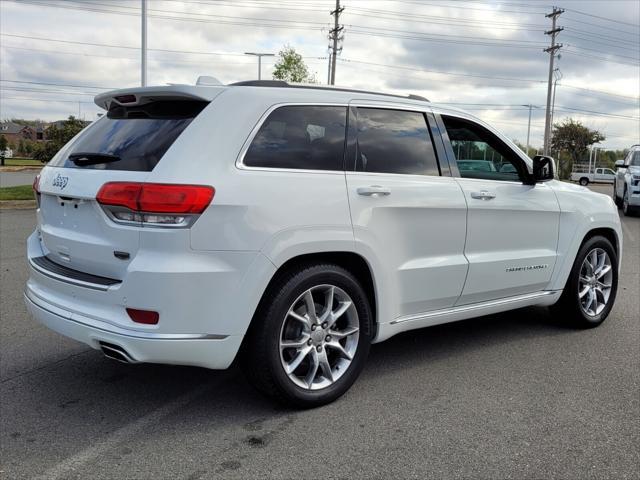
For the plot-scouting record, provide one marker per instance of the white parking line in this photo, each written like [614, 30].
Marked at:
[77, 461]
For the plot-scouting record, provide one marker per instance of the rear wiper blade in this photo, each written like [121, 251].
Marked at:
[87, 158]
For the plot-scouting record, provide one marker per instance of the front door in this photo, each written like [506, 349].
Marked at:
[512, 227]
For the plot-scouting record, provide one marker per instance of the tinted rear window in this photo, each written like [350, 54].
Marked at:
[394, 141]
[139, 135]
[300, 137]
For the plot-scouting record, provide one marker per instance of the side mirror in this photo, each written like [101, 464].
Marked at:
[544, 168]
[620, 164]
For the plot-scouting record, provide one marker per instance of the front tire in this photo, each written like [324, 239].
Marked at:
[584, 181]
[310, 337]
[616, 199]
[591, 288]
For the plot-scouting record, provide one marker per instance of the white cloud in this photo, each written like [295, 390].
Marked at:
[233, 27]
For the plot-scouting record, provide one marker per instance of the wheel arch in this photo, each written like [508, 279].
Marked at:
[353, 262]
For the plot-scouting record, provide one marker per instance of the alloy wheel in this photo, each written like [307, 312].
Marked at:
[319, 337]
[596, 276]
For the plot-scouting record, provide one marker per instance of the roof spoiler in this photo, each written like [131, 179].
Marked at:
[142, 95]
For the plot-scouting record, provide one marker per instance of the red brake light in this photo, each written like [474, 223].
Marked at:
[156, 197]
[147, 317]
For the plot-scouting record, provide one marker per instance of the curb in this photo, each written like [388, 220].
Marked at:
[20, 168]
[17, 204]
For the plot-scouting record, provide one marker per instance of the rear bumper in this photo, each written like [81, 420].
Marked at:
[205, 302]
[203, 350]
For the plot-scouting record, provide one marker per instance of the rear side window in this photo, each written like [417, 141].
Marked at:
[131, 138]
[394, 141]
[300, 137]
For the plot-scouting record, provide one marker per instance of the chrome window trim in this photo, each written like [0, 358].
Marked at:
[254, 131]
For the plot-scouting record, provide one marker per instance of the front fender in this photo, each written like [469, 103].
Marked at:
[581, 212]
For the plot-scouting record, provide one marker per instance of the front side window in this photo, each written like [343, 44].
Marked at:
[394, 141]
[635, 159]
[480, 154]
[300, 137]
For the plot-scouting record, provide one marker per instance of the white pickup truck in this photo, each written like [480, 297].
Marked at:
[584, 175]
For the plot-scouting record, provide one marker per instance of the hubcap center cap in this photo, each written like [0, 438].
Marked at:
[317, 336]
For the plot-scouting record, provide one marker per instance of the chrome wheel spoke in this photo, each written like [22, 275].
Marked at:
[311, 306]
[294, 343]
[325, 366]
[584, 291]
[340, 334]
[337, 346]
[328, 302]
[313, 369]
[297, 360]
[335, 315]
[602, 271]
[302, 319]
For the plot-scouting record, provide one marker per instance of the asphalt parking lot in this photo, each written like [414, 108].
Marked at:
[514, 395]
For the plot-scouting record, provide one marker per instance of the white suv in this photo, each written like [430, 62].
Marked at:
[293, 226]
[626, 184]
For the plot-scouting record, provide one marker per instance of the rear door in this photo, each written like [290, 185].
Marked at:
[408, 213]
[123, 145]
[512, 227]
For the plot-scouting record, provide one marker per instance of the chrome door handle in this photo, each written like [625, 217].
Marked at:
[373, 191]
[483, 195]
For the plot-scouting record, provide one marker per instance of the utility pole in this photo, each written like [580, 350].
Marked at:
[552, 54]
[143, 63]
[334, 35]
[260, 55]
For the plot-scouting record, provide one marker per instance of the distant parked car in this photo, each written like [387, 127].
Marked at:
[8, 153]
[584, 175]
[477, 165]
[626, 186]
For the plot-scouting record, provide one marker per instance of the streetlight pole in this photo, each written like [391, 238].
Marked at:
[143, 63]
[530, 107]
[260, 55]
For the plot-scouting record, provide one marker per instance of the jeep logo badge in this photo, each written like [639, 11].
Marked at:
[60, 181]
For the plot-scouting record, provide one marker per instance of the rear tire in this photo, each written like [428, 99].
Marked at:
[584, 181]
[310, 337]
[591, 288]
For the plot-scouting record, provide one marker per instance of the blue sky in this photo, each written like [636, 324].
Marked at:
[484, 56]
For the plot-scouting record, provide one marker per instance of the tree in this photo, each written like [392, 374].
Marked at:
[57, 138]
[574, 139]
[290, 67]
[3, 146]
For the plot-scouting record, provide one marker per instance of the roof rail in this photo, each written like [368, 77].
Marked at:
[283, 84]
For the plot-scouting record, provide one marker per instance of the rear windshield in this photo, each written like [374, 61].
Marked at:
[131, 138]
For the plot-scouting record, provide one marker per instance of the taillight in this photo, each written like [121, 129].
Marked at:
[36, 188]
[148, 317]
[163, 204]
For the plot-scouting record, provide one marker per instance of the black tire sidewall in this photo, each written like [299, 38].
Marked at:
[571, 289]
[276, 311]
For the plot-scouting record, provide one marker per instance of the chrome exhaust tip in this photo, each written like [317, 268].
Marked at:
[115, 352]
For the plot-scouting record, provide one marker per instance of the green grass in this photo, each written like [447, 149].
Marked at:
[21, 192]
[20, 162]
